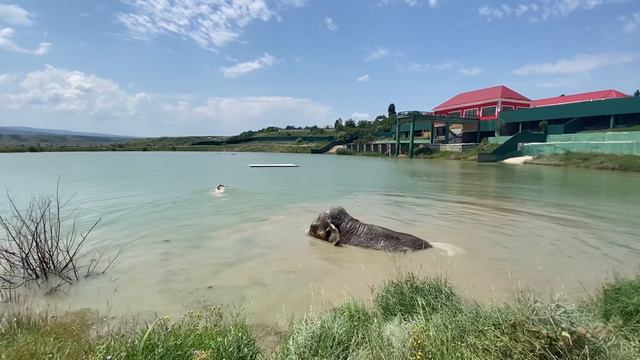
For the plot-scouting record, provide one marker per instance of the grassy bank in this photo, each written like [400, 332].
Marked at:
[280, 147]
[466, 155]
[159, 145]
[590, 161]
[409, 318]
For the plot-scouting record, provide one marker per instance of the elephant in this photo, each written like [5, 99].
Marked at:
[337, 227]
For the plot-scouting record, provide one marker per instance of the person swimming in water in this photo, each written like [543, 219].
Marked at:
[219, 189]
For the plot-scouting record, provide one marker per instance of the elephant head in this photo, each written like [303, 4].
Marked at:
[327, 224]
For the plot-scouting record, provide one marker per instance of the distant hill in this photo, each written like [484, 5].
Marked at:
[11, 136]
[23, 130]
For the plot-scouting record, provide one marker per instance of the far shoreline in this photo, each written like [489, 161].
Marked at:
[597, 161]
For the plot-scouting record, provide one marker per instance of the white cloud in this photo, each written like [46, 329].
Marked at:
[631, 22]
[6, 43]
[56, 89]
[363, 78]
[540, 9]
[261, 111]
[582, 63]
[209, 23]
[449, 65]
[61, 98]
[6, 79]
[17, 16]
[293, 3]
[330, 24]
[242, 69]
[431, 3]
[473, 71]
[377, 53]
[423, 67]
[14, 15]
[359, 116]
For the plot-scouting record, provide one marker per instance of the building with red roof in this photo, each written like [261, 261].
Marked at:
[575, 98]
[484, 103]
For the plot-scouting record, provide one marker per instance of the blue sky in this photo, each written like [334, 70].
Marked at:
[214, 67]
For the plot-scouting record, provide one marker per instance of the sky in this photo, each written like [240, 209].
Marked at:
[219, 67]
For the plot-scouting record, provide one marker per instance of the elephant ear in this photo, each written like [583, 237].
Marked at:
[334, 238]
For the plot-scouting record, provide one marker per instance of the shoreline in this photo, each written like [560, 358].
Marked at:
[427, 317]
[597, 161]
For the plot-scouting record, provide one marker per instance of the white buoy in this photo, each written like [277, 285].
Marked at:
[272, 165]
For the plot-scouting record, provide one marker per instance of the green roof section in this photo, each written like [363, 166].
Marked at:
[630, 105]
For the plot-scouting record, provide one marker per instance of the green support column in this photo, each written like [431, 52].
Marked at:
[446, 132]
[478, 132]
[520, 128]
[397, 139]
[612, 121]
[432, 139]
[411, 134]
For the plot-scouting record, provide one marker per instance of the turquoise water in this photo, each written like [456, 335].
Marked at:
[497, 228]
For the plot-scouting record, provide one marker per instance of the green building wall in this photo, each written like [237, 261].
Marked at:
[620, 143]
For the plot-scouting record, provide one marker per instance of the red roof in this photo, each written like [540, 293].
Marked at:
[480, 96]
[589, 96]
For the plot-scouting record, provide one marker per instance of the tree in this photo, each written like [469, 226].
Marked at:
[363, 124]
[637, 93]
[342, 136]
[350, 124]
[383, 123]
[338, 124]
[393, 116]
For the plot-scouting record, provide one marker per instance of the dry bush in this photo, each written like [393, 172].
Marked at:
[42, 246]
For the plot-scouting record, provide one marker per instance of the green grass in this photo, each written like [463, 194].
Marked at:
[268, 146]
[410, 318]
[160, 144]
[344, 151]
[466, 155]
[199, 335]
[415, 318]
[25, 336]
[411, 296]
[590, 161]
[336, 334]
[620, 303]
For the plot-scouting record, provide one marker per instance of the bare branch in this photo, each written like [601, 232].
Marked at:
[42, 246]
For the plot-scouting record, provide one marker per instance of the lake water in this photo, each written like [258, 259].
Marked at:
[497, 228]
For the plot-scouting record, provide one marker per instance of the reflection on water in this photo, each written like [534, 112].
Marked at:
[495, 228]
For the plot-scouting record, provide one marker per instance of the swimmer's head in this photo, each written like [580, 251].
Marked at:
[220, 187]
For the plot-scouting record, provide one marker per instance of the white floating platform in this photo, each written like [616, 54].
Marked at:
[272, 165]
